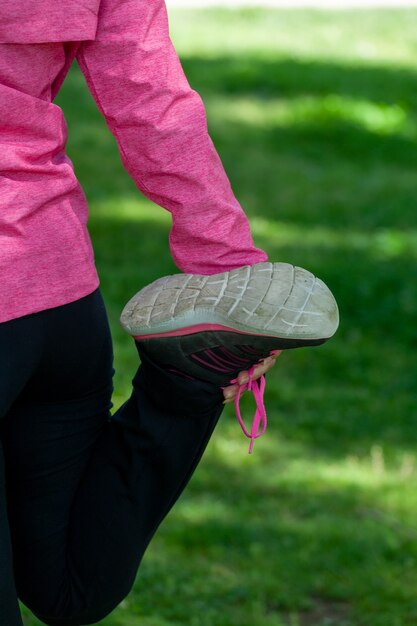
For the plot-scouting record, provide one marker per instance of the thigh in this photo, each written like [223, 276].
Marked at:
[48, 437]
[20, 350]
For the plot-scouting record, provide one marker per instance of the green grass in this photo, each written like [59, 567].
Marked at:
[314, 115]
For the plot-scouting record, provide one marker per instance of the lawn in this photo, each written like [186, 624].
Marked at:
[314, 114]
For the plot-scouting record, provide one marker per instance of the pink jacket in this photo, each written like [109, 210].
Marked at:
[134, 74]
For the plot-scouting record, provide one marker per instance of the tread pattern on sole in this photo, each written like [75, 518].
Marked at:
[275, 298]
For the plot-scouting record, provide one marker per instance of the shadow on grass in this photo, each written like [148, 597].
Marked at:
[290, 77]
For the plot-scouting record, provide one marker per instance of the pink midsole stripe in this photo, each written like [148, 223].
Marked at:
[198, 328]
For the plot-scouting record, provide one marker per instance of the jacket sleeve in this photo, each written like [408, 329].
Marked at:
[159, 122]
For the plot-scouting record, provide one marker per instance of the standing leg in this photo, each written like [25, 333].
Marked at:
[18, 360]
[9, 609]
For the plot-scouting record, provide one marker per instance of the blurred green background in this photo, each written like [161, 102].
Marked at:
[314, 116]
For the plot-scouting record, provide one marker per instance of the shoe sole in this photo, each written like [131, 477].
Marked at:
[270, 300]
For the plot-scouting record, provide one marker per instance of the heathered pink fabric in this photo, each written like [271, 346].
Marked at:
[133, 72]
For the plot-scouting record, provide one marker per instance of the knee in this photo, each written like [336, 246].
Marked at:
[69, 611]
[81, 617]
[60, 600]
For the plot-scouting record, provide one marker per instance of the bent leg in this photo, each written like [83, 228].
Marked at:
[86, 493]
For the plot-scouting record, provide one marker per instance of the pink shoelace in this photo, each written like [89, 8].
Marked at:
[259, 420]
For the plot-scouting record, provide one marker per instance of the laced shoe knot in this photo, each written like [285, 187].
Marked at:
[259, 421]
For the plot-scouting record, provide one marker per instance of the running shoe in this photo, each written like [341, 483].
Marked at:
[212, 327]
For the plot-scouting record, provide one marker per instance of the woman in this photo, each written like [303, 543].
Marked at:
[82, 492]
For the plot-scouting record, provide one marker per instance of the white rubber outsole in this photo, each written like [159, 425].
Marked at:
[273, 299]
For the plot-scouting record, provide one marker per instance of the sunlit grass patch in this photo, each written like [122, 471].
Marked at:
[361, 36]
[382, 243]
[379, 118]
[369, 470]
[129, 209]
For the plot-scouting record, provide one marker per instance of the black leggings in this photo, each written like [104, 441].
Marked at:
[85, 492]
